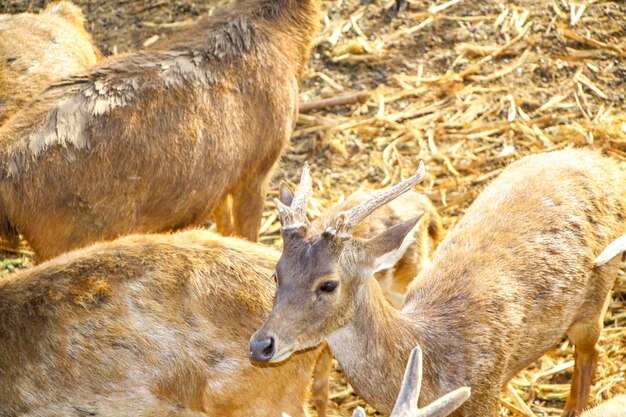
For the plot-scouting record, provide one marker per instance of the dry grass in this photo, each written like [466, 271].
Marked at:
[468, 86]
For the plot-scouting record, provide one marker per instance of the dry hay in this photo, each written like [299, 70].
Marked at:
[467, 86]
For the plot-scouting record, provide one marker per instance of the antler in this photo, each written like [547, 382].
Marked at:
[615, 248]
[294, 215]
[406, 405]
[342, 224]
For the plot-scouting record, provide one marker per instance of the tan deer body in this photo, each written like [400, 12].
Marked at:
[506, 284]
[160, 139]
[37, 49]
[153, 325]
[615, 407]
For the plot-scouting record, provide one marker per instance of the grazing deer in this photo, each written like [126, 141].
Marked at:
[513, 277]
[160, 139]
[143, 326]
[37, 49]
[615, 407]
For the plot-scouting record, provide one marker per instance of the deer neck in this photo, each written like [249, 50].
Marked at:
[297, 23]
[374, 348]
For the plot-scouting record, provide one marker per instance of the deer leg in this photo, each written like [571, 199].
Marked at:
[248, 202]
[223, 216]
[321, 375]
[581, 383]
[584, 335]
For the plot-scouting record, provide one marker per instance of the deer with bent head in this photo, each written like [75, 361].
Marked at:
[37, 49]
[160, 139]
[505, 285]
[147, 325]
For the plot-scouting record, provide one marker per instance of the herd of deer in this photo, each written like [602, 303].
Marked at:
[195, 323]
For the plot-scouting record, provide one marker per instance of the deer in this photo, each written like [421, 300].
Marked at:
[395, 280]
[505, 285]
[37, 49]
[615, 407]
[145, 325]
[161, 139]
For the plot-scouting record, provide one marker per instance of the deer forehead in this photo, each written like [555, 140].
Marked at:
[306, 260]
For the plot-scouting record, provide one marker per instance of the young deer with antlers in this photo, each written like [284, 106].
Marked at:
[395, 280]
[160, 139]
[154, 325]
[505, 285]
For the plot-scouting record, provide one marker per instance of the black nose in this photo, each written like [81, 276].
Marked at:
[262, 350]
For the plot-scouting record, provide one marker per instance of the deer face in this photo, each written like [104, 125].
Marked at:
[319, 275]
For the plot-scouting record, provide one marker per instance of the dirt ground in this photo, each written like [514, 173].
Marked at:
[466, 86]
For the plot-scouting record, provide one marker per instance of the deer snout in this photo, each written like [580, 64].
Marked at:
[262, 348]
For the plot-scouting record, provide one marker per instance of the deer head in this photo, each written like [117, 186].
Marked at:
[319, 275]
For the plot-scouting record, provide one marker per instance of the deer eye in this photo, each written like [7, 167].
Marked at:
[275, 278]
[329, 286]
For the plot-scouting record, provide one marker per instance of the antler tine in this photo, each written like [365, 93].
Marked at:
[294, 215]
[615, 248]
[445, 405]
[406, 406]
[347, 220]
[359, 412]
[301, 199]
[411, 385]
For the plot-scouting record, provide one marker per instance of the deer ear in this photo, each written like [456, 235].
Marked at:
[285, 194]
[391, 245]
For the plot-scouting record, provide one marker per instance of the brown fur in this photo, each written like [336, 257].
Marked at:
[37, 49]
[506, 284]
[144, 326]
[158, 139]
[615, 407]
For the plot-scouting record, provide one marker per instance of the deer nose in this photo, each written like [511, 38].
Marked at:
[262, 350]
